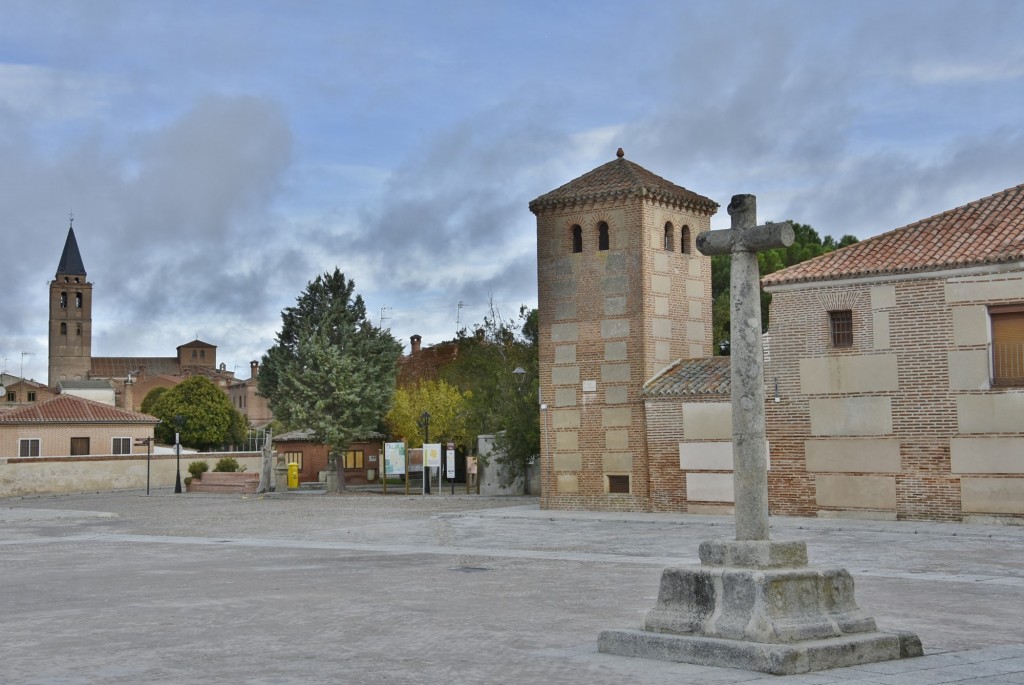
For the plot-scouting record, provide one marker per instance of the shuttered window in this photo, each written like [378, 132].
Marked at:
[1007, 345]
[79, 447]
[618, 484]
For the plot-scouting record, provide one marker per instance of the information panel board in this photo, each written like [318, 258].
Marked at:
[432, 455]
[394, 458]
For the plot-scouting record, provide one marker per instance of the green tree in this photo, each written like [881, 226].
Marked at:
[330, 370]
[207, 417]
[806, 245]
[150, 400]
[502, 402]
[447, 407]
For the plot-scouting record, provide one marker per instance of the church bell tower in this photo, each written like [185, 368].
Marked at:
[70, 317]
[622, 293]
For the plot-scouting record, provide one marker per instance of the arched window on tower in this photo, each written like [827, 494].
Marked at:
[577, 238]
[78, 300]
[602, 236]
[63, 300]
[63, 328]
[78, 329]
[668, 236]
[684, 239]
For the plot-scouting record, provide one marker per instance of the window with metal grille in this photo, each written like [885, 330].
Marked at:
[1007, 344]
[577, 238]
[618, 485]
[669, 238]
[79, 447]
[602, 236]
[841, 323]
[293, 458]
[684, 240]
[353, 459]
[28, 447]
[121, 446]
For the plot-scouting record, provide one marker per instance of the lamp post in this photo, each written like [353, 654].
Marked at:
[424, 423]
[179, 423]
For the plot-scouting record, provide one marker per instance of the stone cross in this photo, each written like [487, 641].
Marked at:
[750, 457]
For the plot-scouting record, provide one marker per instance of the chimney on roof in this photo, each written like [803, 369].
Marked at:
[254, 368]
[414, 342]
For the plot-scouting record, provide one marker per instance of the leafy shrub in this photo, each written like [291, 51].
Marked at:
[188, 481]
[198, 468]
[228, 465]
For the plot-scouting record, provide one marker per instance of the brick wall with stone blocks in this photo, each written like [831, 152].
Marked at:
[875, 429]
[609, 320]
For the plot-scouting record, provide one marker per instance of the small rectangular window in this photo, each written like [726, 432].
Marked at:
[31, 395]
[28, 447]
[1007, 345]
[12, 396]
[841, 323]
[121, 446]
[354, 459]
[79, 447]
[618, 485]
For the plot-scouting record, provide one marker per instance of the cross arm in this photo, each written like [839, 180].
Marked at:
[755, 239]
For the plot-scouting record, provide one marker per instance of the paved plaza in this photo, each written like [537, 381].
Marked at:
[361, 588]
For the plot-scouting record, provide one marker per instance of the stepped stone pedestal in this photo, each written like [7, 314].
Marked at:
[757, 605]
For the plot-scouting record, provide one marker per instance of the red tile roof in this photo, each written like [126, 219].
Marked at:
[622, 178]
[701, 376]
[986, 231]
[72, 409]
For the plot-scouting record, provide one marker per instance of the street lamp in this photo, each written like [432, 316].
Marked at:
[520, 374]
[424, 423]
[179, 423]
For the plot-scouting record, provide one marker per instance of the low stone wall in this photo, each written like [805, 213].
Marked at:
[54, 475]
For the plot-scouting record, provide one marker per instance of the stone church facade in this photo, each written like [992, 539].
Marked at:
[894, 367]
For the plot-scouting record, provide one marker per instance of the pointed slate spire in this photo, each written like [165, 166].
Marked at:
[71, 258]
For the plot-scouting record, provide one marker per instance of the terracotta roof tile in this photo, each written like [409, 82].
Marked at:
[72, 409]
[120, 367]
[701, 376]
[986, 231]
[622, 178]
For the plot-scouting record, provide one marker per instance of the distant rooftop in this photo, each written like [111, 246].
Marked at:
[73, 409]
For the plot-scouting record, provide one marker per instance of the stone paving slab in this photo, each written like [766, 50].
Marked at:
[124, 588]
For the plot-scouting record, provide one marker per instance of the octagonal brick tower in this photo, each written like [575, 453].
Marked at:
[622, 293]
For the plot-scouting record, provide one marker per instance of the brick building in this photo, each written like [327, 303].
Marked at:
[899, 363]
[67, 425]
[622, 292]
[894, 367]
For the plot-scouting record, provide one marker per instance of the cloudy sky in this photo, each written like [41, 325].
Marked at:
[219, 155]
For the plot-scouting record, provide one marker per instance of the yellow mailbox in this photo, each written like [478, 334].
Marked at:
[293, 476]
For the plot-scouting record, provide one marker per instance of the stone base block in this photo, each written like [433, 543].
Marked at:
[777, 659]
[757, 605]
[774, 605]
